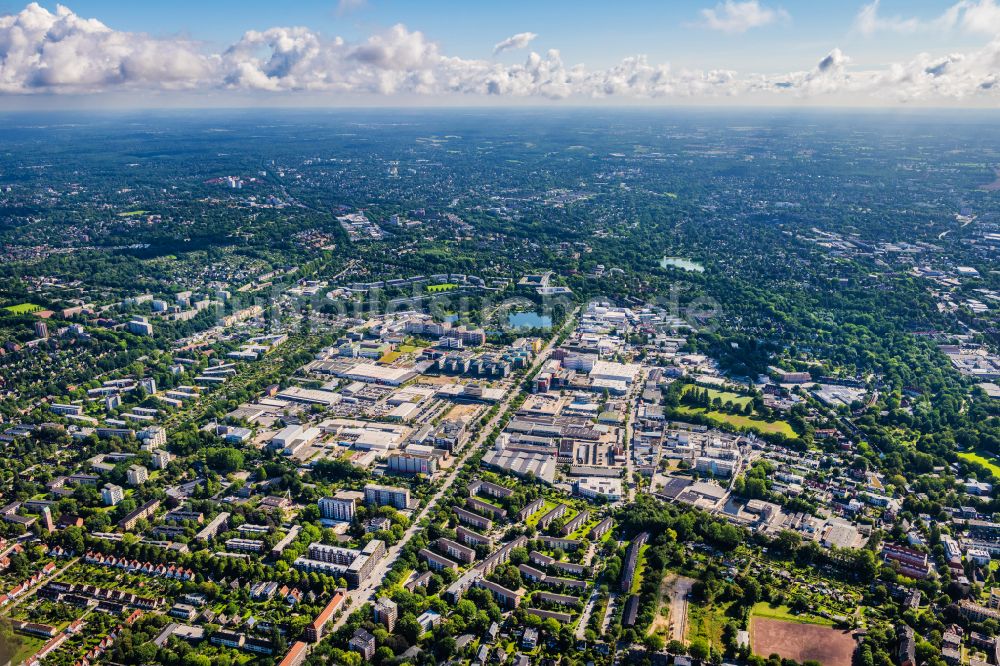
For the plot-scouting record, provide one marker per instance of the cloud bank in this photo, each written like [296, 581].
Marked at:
[61, 52]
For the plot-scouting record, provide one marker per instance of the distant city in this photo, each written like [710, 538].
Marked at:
[481, 387]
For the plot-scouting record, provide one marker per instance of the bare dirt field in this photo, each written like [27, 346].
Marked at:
[459, 411]
[671, 614]
[828, 646]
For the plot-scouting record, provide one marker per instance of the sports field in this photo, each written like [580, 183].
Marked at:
[801, 642]
[740, 421]
[989, 463]
[23, 308]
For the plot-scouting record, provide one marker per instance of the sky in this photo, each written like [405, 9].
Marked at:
[104, 53]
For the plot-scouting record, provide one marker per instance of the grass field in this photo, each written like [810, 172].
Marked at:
[389, 357]
[27, 646]
[724, 396]
[133, 213]
[407, 349]
[785, 614]
[741, 421]
[990, 464]
[640, 568]
[437, 288]
[706, 622]
[23, 308]
[532, 520]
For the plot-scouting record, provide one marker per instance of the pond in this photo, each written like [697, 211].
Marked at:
[683, 264]
[528, 320]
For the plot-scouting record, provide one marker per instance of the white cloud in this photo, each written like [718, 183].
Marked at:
[44, 51]
[981, 17]
[868, 21]
[735, 17]
[60, 52]
[348, 6]
[972, 16]
[518, 41]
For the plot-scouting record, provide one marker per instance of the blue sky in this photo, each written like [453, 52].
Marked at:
[780, 41]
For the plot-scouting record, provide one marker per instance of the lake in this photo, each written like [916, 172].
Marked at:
[528, 320]
[683, 264]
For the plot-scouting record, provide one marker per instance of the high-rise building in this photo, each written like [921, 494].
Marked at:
[47, 519]
[140, 326]
[387, 495]
[385, 612]
[339, 507]
[136, 475]
[161, 459]
[154, 436]
[148, 385]
[41, 329]
[112, 494]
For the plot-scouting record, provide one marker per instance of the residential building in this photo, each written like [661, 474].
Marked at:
[340, 507]
[112, 494]
[386, 612]
[137, 475]
[387, 496]
[160, 459]
[363, 642]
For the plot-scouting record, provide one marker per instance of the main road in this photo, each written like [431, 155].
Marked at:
[365, 593]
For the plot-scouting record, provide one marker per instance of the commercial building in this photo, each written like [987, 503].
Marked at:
[615, 372]
[292, 438]
[593, 487]
[378, 374]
